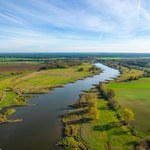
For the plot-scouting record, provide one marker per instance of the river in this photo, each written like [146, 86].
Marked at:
[41, 127]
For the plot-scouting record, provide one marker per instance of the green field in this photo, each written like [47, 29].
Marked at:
[105, 133]
[38, 82]
[108, 132]
[34, 82]
[135, 95]
[41, 81]
[51, 78]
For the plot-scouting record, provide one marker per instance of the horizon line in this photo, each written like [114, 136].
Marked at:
[77, 52]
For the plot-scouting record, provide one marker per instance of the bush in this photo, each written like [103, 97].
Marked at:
[112, 104]
[128, 115]
[71, 130]
[110, 94]
[103, 90]
[3, 119]
[69, 142]
[94, 113]
[106, 93]
[80, 69]
[143, 144]
[93, 69]
[87, 99]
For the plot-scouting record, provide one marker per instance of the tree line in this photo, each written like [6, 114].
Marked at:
[61, 64]
[108, 94]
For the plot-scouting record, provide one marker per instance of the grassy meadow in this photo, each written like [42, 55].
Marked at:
[109, 131]
[102, 133]
[17, 78]
[135, 95]
[41, 81]
[105, 133]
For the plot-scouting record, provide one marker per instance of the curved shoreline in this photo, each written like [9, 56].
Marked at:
[68, 135]
[48, 106]
[27, 98]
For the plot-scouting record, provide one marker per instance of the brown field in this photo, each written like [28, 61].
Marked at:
[20, 68]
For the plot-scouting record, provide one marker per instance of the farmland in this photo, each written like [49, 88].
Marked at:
[135, 95]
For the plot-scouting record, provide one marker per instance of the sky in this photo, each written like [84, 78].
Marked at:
[75, 26]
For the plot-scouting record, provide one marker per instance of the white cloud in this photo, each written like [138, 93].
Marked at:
[99, 25]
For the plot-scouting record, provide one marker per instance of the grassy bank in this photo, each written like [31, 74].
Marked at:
[34, 82]
[129, 95]
[81, 131]
[106, 132]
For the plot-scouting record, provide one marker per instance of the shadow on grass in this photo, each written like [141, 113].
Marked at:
[119, 132]
[105, 127]
[81, 112]
[131, 143]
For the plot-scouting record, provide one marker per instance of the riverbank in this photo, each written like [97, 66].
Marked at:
[111, 129]
[132, 90]
[45, 115]
[92, 125]
[15, 86]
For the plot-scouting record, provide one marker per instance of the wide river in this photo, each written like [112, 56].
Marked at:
[41, 127]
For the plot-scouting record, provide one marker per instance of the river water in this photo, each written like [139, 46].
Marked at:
[41, 127]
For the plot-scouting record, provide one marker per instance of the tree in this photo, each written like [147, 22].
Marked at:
[86, 99]
[128, 115]
[103, 89]
[113, 104]
[110, 94]
[94, 113]
[80, 69]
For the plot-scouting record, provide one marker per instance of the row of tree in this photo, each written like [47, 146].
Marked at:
[146, 73]
[90, 100]
[61, 64]
[108, 94]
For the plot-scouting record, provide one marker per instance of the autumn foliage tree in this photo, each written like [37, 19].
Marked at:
[110, 94]
[113, 104]
[128, 115]
[106, 93]
[94, 113]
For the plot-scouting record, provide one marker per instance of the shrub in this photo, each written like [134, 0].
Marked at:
[3, 119]
[71, 130]
[112, 104]
[103, 90]
[128, 115]
[86, 99]
[110, 94]
[142, 144]
[106, 93]
[94, 113]
[80, 69]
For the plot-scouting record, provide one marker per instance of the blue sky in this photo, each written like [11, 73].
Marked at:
[75, 26]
